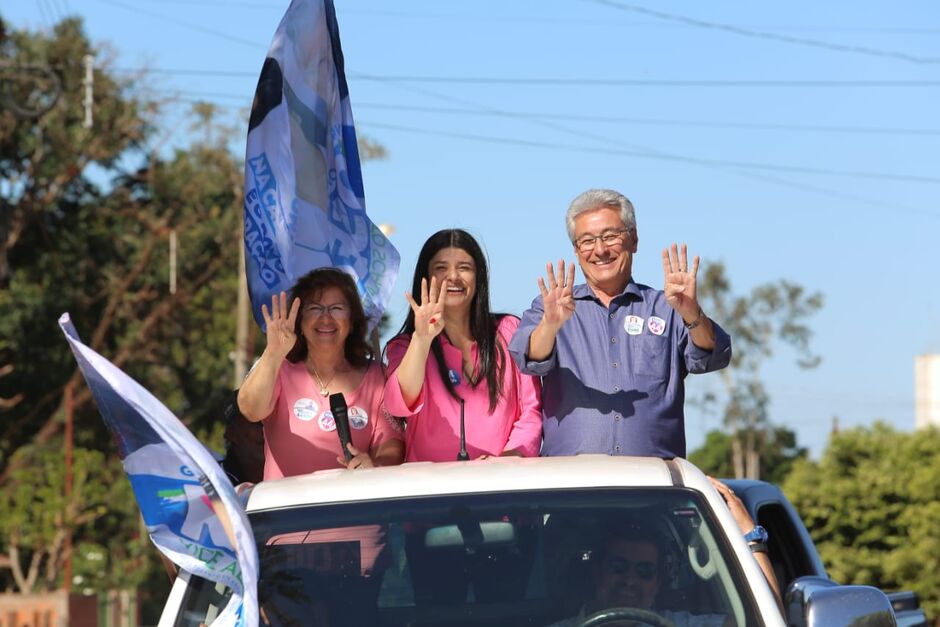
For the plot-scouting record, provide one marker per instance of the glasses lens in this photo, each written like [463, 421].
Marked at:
[619, 566]
[645, 570]
[339, 312]
[586, 244]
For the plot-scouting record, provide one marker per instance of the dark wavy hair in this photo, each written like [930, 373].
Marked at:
[357, 350]
[483, 323]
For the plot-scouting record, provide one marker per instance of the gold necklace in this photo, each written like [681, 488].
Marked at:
[323, 386]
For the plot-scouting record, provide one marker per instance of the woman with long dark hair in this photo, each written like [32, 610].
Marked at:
[317, 347]
[452, 348]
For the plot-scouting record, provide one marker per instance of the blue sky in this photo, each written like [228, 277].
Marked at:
[792, 141]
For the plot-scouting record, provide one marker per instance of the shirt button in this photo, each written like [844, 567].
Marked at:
[617, 418]
[617, 448]
[614, 364]
[611, 316]
[616, 388]
[613, 340]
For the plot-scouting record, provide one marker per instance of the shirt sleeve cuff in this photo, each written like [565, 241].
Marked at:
[700, 360]
[395, 402]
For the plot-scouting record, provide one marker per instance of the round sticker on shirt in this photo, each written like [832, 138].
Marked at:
[633, 325]
[327, 422]
[306, 409]
[657, 325]
[358, 418]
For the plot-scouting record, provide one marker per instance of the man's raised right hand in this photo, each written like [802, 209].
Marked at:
[557, 299]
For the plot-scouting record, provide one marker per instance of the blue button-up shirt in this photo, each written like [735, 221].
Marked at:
[615, 381]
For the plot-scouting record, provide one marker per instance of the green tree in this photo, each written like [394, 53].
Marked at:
[87, 217]
[871, 504]
[776, 446]
[770, 314]
[38, 519]
[94, 241]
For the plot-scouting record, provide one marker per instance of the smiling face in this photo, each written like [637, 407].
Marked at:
[457, 266]
[325, 319]
[607, 267]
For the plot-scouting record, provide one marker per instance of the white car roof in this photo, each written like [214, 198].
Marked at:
[500, 474]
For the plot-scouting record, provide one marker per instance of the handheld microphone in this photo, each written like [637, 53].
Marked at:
[462, 455]
[341, 418]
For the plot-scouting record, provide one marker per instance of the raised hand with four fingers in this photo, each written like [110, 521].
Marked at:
[557, 298]
[429, 314]
[680, 282]
[280, 323]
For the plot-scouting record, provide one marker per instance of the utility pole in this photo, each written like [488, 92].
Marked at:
[89, 83]
[242, 344]
[173, 261]
[69, 410]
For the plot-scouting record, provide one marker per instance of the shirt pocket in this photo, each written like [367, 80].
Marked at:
[654, 357]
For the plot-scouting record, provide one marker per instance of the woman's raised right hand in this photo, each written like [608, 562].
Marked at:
[280, 324]
[429, 315]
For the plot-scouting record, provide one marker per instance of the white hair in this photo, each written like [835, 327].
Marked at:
[596, 199]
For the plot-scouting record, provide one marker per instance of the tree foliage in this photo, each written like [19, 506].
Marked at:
[771, 314]
[777, 447]
[100, 515]
[86, 218]
[872, 505]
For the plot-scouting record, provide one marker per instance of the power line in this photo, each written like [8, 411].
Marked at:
[223, 3]
[762, 126]
[811, 128]
[643, 82]
[858, 200]
[747, 165]
[737, 30]
[185, 24]
[536, 19]
[603, 82]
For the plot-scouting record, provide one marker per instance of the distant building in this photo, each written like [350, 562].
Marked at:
[927, 391]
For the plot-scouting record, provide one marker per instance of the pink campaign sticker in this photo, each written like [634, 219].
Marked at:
[327, 422]
[656, 325]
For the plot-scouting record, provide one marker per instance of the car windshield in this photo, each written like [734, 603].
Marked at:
[519, 558]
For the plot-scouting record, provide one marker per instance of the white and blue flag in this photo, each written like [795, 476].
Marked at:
[188, 504]
[304, 200]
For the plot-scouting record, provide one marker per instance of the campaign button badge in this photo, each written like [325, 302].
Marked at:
[306, 409]
[327, 422]
[633, 325]
[656, 324]
[358, 418]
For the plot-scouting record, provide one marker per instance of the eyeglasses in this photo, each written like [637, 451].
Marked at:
[608, 238]
[336, 312]
[618, 566]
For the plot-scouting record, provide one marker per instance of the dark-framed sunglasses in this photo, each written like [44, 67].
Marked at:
[619, 566]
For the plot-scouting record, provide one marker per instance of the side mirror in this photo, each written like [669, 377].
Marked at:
[821, 602]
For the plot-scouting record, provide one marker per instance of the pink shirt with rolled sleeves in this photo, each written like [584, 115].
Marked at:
[433, 422]
[300, 434]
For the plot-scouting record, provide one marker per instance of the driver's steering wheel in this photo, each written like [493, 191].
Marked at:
[612, 614]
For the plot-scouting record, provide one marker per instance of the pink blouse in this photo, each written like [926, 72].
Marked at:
[300, 434]
[433, 423]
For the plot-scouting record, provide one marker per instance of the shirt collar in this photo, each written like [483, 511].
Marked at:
[583, 292]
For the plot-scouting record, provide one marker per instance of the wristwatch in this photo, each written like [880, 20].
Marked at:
[757, 535]
[696, 322]
[756, 539]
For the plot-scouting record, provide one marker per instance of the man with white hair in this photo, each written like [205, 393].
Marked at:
[614, 353]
